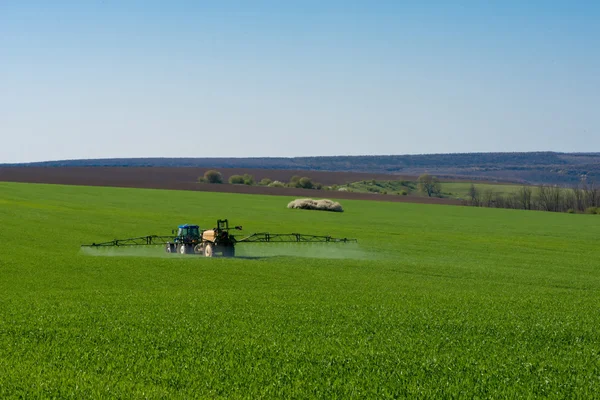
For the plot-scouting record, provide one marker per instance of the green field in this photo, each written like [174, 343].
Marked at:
[392, 187]
[454, 190]
[435, 301]
[460, 190]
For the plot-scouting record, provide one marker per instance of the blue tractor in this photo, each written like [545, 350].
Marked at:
[188, 237]
[191, 239]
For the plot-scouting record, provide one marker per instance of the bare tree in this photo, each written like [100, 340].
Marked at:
[556, 194]
[592, 195]
[578, 198]
[543, 198]
[512, 201]
[524, 197]
[429, 184]
[474, 195]
[569, 200]
[500, 201]
[487, 200]
[549, 198]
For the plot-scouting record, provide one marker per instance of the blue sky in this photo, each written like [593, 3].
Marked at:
[108, 78]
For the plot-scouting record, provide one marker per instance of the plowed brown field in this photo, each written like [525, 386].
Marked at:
[182, 178]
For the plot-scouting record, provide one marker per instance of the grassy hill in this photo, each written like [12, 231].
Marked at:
[434, 301]
[454, 190]
[460, 190]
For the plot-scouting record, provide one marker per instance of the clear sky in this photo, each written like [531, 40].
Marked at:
[125, 78]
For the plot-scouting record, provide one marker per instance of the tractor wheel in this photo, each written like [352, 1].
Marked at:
[208, 250]
[182, 249]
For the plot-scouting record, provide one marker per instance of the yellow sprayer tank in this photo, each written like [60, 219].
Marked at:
[208, 235]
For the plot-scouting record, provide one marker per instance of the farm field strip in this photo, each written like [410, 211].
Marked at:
[461, 189]
[434, 301]
[184, 178]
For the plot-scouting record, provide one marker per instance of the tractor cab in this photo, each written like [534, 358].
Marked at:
[222, 225]
[188, 233]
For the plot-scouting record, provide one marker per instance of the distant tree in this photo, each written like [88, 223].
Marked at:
[578, 199]
[430, 185]
[212, 176]
[305, 183]
[276, 184]
[569, 200]
[501, 201]
[236, 179]
[549, 197]
[294, 182]
[265, 182]
[248, 179]
[591, 194]
[511, 200]
[524, 197]
[557, 195]
[543, 198]
[473, 195]
[487, 199]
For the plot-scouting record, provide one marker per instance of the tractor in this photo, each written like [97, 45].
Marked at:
[190, 239]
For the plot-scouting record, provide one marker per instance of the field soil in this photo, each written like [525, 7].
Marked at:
[183, 178]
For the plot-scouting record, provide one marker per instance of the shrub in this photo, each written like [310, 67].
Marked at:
[212, 176]
[248, 179]
[592, 210]
[321, 205]
[276, 184]
[236, 179]
[305, 183]
[430, 185]
[294, 181]
[265, 182]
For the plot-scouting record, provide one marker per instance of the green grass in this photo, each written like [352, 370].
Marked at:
[439, 301]
[455, 190]
[383, 187]
[460, 190]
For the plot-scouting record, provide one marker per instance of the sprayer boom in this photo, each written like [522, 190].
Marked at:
[266, 237]
[190, 239]
[151, 240]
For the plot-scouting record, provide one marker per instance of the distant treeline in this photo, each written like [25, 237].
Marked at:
[584, 198]
[530, 167]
